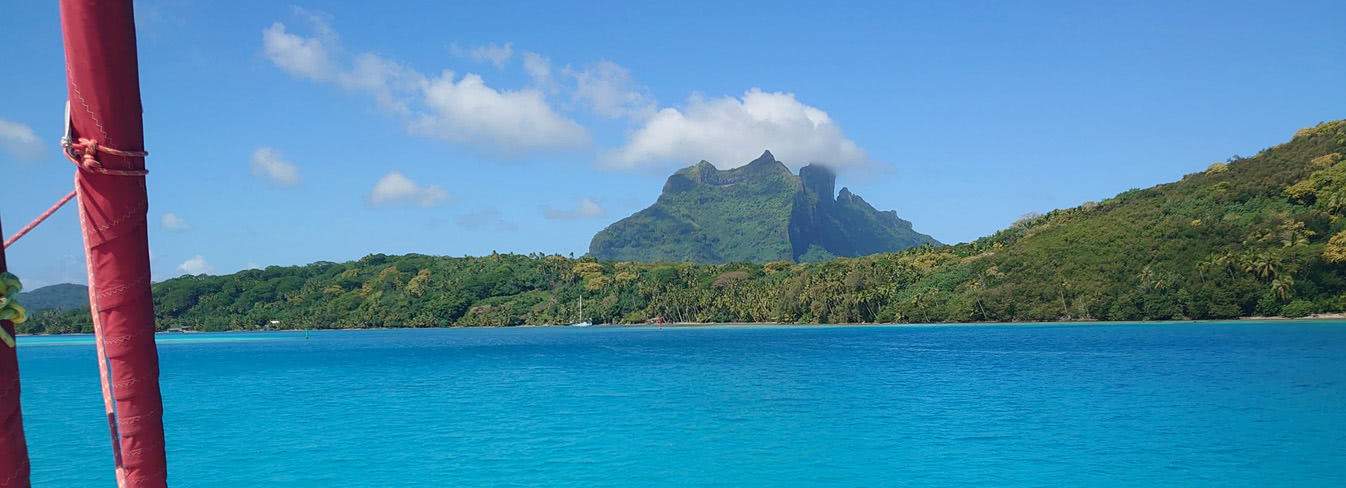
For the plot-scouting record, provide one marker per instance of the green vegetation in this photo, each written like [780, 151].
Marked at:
[64, 296]
[758, 212]
[1257, 236]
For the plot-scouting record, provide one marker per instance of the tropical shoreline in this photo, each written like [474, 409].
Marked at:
[1333, 317]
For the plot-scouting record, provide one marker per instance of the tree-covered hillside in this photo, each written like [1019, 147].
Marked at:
[758, 212]
[63, 296]
[1253, 236]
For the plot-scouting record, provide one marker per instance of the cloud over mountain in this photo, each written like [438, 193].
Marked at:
[463, 108]
[729, 130]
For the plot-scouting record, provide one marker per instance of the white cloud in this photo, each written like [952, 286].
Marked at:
[464, 109]
[487, 217]
[461, 110]
[732, 131]
[195, 266]
[306, 57]
[496, 54]
[270, 164]
[389, 82]
[19, 140]
[609, 90]
[538, 68]
[171, 222]
[252, 265]
[395, 187]
[468, 111]
[586, 209]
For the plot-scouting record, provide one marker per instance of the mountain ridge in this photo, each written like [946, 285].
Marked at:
[63, 296]
[757, 212]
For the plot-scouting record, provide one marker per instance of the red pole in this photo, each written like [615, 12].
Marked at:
[104, 96]
[14, 466]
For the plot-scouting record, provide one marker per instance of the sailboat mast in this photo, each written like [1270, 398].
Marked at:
[106, 140]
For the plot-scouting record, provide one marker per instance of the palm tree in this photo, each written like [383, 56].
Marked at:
[1336, 202]
[1294, 234]
[1295, 239]
[1224, 261]
[1261, 265]
[1146, 277]
[1281, 287]
[1206, 265]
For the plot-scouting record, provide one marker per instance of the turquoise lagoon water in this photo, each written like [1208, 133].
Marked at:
[1222, 404]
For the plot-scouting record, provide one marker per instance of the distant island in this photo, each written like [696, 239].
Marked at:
[1258, 236]
[65, 296]
[758, 212]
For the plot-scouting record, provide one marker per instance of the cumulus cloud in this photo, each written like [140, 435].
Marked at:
[489, 217]
[171, 222]
[731, 131]
[394, 188]
[316, 58]
[609, 90]
[468, 111]
[460, 109]
[463, 108]
[195, 266]
[305, 57]
[268, 163]
[587, 209]
[19, 140]
[496, 54]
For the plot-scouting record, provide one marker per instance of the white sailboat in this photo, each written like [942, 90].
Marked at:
[582, 323]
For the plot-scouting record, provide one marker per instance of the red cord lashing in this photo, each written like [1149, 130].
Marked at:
[88, 149]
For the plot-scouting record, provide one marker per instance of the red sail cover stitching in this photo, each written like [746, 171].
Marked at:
[104, 93]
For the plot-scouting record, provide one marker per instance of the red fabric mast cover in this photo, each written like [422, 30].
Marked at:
[104, 94]
[13, 449]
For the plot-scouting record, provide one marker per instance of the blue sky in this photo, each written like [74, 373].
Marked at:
[290, 133]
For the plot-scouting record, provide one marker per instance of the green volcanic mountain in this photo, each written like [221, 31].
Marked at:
[758, 212]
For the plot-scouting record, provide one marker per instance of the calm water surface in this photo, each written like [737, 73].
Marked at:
[1101, 405]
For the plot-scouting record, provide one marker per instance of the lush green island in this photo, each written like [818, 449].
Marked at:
[1259, 236]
